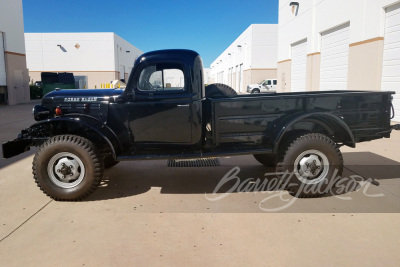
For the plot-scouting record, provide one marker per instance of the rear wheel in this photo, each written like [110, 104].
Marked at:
[311, 165]
[67, 167]
[219, 90]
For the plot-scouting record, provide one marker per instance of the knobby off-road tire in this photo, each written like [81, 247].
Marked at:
[265, 159]
[67, 167]
[310, 166]
[219, 90]
[109, 162]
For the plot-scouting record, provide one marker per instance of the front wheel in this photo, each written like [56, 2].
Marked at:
[67, 167]
[311, 165]
[255, 91]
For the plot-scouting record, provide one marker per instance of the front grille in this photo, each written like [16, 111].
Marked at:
[199, 162]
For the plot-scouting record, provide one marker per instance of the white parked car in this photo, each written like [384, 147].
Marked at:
[265, 86]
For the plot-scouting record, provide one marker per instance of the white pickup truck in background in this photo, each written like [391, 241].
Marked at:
[265, 86]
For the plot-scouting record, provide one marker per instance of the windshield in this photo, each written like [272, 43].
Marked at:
[262, 81]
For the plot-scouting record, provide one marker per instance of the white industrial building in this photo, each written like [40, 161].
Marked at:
[251, 58]
[14, 81]
[339, 45]
[206, 74]
[94, 58]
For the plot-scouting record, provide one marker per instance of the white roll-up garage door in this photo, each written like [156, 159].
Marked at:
[299, 66]
[2, 63]
[334, 58]
[391, 57]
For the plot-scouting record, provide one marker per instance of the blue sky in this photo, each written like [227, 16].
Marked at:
[205, 26]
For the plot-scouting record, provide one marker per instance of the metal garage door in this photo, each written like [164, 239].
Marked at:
[299, 65]
[391, 57]
[2, 63]
[121, 72]
[334, 58]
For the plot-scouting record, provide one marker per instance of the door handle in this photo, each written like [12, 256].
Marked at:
[186, 105]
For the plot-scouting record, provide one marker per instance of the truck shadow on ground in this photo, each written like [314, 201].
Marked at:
[134, 178]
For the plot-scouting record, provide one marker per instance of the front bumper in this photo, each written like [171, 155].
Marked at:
[16, 147]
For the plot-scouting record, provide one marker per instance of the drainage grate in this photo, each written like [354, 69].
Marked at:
[200, 162]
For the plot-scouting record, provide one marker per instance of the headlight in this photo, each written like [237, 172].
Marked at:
[40, 113]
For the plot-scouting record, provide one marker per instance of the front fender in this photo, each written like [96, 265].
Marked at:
[331, 123]
[72, 124]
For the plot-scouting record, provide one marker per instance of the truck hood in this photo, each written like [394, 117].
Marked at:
[254, 85]
[90, 102]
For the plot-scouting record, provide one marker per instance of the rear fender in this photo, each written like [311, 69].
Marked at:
[332, 125]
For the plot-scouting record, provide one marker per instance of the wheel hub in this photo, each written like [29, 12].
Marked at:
[66, 170]
[311, 166]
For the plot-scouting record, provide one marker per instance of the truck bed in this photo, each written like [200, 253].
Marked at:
[254, 120]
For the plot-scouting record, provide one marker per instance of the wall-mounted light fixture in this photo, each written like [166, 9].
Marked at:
[229, 54]
[295, 7]
[62, 48]
[127, 51]
[239, 46]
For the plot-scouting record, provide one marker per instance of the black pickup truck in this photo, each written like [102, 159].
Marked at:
[166, 112]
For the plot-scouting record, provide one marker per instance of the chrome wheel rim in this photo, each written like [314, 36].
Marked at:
[311, 167]
[66, 170]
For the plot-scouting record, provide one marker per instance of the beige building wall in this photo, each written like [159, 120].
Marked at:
[17, 78]
[365, 65]
[94, 78]
[364, 73]
[16, 89]
[313, 71]
[284, 75]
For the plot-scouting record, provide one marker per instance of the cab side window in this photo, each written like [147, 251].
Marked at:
[275, 83]
[162, 77]
[269, 82]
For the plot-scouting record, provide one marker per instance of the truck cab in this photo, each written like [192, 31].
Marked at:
[161, 106]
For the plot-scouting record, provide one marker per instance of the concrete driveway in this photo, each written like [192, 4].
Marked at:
[146, 213]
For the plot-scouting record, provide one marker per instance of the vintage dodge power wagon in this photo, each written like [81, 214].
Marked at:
[166, 112]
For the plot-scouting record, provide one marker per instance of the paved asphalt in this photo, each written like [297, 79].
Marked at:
[146, 213]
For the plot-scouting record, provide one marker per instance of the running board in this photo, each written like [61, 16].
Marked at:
[188, 155]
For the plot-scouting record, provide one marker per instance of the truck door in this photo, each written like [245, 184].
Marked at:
[274, 85]
[162, 111]
[268, 85]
